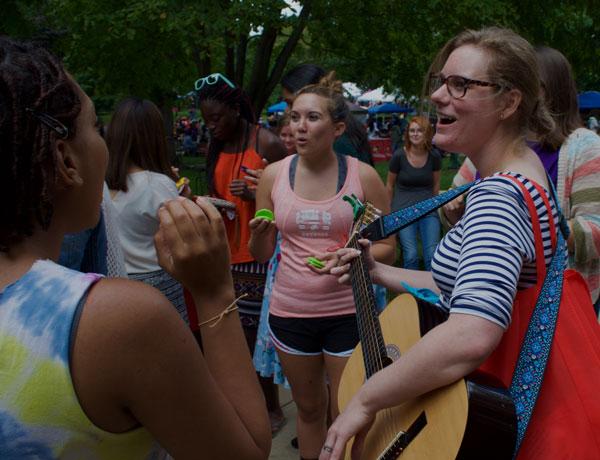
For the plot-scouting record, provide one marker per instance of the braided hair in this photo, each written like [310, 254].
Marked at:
[232, 97]
[32, 81]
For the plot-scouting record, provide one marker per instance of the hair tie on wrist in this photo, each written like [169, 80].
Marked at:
[217, 318]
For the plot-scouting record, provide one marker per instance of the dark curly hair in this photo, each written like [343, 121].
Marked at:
[32, 81]
[231, 97]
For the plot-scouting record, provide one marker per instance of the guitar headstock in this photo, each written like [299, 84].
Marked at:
[364, 213]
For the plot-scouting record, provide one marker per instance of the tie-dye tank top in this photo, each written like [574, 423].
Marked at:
[40, 415]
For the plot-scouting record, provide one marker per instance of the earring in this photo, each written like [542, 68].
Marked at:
[501, 116]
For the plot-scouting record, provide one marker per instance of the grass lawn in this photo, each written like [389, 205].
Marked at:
[193, 169]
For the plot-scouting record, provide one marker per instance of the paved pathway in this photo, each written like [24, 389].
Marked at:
[281, 448]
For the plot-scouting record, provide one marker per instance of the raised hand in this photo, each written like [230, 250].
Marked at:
[191, 245]
[346, 255]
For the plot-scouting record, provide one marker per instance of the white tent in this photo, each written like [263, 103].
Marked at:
[351, 89]
[376, 95]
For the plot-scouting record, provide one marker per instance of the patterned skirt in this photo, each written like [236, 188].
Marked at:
[170, 287]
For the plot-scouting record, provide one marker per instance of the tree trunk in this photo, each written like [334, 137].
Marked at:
[264, 90]
[240, 65]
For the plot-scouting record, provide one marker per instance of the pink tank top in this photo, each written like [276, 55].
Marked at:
[309, 227]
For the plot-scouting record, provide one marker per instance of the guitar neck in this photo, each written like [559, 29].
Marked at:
[369, 330]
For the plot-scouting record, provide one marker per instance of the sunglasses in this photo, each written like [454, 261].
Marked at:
[211, 80]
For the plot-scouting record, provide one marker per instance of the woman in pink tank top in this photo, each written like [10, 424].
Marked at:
[312, 317]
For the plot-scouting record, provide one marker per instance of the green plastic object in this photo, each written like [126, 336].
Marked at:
[357, 205]
[315, 262]
[265, 214]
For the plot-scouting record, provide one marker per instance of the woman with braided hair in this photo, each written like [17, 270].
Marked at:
[237, 153]
[105, 368]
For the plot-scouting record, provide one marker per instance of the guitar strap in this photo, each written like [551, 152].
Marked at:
[392, 223]
[535, 349]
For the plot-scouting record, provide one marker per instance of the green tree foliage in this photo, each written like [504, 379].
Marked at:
[157, 48]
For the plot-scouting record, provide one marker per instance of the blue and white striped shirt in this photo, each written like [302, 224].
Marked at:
[490, 253]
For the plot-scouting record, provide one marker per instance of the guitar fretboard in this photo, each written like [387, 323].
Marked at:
[369, 330]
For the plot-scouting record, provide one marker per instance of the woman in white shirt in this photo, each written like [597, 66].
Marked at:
[140, 178]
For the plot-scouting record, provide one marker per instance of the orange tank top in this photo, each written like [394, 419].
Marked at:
[228, 168]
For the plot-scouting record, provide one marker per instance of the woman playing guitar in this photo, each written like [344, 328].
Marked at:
[486, 89]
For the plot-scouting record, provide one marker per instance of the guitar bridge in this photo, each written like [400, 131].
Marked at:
[403, 439]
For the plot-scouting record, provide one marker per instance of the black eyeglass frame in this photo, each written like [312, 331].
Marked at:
[466, 84]
[51, 122]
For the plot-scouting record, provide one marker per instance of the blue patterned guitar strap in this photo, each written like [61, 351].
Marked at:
[535, 350]
[392, 223]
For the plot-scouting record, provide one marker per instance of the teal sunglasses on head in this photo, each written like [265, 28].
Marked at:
[211, 80]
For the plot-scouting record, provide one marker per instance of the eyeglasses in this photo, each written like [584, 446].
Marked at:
[211, 80]
[50, 122]
[457, 85]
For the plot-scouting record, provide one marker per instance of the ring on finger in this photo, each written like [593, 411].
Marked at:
[327, 448]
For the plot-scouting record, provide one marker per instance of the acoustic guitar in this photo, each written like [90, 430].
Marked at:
[462, 420]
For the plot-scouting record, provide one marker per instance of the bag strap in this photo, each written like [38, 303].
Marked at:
[395, 221]
[537, 343]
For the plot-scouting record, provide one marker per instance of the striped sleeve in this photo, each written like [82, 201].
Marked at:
[496, 241]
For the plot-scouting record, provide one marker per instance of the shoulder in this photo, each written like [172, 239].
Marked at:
[118, 343]
[162, 184]
[270, 173]
[269, 145]
[495, 189]
[435, 154]
[367, 173]
[132, 311]
[582, 140]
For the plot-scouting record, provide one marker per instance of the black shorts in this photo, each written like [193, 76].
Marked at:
[334, 335]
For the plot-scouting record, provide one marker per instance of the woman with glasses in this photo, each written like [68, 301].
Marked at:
[414, 175]
[312, 318]
[238, 149]
[489, 267]
[105, 368]
[571, 156]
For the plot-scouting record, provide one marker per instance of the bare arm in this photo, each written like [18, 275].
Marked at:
[135, 361]
[385, 250]
[263, 233]
[436, 182]
[389, 185]
[447, 353]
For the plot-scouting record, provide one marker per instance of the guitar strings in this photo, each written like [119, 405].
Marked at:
[374, 350]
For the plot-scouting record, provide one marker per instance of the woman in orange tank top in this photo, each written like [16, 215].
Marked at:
[238, 149]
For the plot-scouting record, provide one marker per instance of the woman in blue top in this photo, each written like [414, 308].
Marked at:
[105, 368]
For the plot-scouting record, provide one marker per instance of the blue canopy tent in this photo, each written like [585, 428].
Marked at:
[390, 107]
[279, 107]
[589, 100]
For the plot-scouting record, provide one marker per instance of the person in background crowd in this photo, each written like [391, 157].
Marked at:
[571, 156]
[236, 152]
[140, 179]
[95, 367]
[286, 135]
[490, 266]
[313, 322]
[414, 175]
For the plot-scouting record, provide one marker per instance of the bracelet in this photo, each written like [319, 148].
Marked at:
[217, 318]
